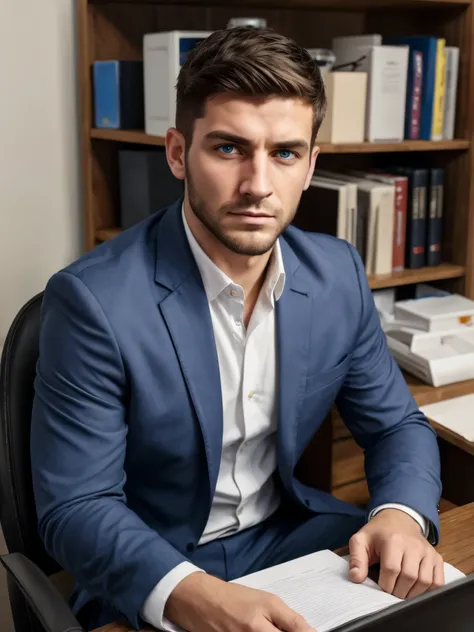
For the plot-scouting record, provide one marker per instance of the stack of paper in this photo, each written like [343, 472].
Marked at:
[318, 587]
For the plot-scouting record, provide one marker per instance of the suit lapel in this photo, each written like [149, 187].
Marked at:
[294, 312]
[185, 310]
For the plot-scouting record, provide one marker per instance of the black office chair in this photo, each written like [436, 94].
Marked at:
[36, 604]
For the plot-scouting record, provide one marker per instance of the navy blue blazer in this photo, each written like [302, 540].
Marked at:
[127, 420]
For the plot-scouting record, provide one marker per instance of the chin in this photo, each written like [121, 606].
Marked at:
[250, 247]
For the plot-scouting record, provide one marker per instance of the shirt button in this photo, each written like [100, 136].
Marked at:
[251, 394]
[238, 323]
[233, 293]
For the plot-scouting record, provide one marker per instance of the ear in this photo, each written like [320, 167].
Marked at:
[312, 164]
[175, 148]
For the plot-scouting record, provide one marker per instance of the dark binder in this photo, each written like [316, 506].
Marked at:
[146, 184]
[434, 224]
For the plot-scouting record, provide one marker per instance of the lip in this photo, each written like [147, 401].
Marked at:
[255, 218]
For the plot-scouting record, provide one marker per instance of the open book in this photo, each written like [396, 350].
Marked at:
[318, 587]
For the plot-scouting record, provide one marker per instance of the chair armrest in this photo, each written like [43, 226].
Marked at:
[41, 595]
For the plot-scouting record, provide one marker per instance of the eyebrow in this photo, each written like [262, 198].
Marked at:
[297, 143]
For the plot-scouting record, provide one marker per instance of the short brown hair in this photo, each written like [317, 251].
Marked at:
[250, 61]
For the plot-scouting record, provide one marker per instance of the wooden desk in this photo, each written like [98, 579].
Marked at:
[457, 538]
[457, 465]
[456, 547]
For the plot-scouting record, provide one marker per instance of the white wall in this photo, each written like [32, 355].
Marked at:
[40, 217]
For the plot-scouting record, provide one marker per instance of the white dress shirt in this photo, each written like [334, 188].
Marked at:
[245, 493]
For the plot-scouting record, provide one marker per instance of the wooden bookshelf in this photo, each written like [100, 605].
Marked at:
[305, 4]
[141, 138]
[113, 29]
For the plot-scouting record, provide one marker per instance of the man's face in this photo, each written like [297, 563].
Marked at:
[247, 167]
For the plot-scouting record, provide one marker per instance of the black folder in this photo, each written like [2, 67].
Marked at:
[446, 609]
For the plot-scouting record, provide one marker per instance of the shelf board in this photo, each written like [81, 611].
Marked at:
[141, 138]
[420, 275]
[304, 4]
[127, 136]
[406, 145]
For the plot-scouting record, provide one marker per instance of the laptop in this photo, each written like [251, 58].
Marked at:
[447, 609]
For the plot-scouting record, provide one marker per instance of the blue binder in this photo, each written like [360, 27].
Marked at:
[118, 94]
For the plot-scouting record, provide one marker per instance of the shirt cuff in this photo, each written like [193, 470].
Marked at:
[154, 605]
[421, 520]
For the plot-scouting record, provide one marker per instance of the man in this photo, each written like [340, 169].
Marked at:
[185, 365]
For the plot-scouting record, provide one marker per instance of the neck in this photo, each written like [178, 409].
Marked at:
[246, 271]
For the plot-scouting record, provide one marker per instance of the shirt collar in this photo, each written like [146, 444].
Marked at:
[215, 281]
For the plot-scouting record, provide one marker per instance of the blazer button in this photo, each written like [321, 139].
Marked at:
[190, 546]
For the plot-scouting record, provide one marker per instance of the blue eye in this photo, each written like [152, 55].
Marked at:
[226, 149]
[286, 154]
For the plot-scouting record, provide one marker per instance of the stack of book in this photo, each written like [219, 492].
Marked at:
[411, 87]
[392, 216]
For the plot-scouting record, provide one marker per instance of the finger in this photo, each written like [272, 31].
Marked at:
[263, 625]
[359, 558]
[425, 577]
[287, 619]
[390, 565]
[408, 575]
[438, 574]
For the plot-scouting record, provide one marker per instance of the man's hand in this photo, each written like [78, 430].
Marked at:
[202, 602]
[409, 565]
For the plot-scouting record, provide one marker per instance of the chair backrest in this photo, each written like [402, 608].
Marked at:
[17, 373]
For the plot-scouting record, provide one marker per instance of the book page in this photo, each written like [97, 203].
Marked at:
[318, 587]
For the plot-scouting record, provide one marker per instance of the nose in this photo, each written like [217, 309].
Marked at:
[256, 181]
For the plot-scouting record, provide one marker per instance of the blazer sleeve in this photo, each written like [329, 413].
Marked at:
[78, 445]
[401, 451]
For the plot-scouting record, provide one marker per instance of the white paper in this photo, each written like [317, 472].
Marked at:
[318, 587]
[451, 574]
[454, 414]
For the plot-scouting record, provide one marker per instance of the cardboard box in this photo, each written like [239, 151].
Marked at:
[345, 116]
